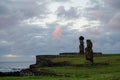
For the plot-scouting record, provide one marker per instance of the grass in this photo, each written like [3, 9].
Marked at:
[96, 72]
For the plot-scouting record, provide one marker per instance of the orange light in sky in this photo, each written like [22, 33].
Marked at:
[11, 56]
[57, 32]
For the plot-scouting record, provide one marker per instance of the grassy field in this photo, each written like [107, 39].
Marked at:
[95, 72]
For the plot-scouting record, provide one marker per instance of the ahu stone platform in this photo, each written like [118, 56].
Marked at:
[47, 60]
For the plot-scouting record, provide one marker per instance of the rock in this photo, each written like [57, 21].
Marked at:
[10, 73]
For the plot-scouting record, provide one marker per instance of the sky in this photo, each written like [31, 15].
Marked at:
[43, 27]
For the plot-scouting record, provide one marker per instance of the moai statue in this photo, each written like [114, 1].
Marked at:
[81, 46]
[89, 52]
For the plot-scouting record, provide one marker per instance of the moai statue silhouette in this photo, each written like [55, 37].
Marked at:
[89, 52]
[81, 46]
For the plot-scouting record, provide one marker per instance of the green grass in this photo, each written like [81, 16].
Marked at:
[96, 72]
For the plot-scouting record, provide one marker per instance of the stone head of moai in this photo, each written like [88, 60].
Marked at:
[89, 43]
[81, 38]
[81, 46]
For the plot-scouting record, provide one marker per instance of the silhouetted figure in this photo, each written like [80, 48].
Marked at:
[89, 52]
[81, 46]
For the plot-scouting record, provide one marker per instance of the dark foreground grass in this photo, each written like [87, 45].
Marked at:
[114, 76]
[96, 72]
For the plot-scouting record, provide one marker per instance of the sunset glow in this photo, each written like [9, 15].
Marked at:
[57, 32]
[11, 56]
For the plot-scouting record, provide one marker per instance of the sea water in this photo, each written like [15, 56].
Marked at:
[14, 66]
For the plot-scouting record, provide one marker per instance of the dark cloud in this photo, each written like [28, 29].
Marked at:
[110, 43]
[114, 23]
[114, 9]
[61, 0]
[14, 12]
[113, 3]
[71, 13]
[95, 5]
[30, 37]
[98, 10]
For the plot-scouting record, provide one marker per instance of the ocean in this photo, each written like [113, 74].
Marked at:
[14, 66]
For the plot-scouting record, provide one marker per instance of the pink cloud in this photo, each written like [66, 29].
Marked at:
[2, 32]
[97, 14]
[57, 32]
[114, 23]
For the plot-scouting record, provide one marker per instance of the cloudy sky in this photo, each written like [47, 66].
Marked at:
[36, 27]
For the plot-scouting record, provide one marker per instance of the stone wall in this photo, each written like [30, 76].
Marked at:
[69, 53]
[46, 60]
[41, 58]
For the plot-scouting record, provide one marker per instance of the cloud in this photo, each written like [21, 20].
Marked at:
[27, 27]
[2, 32]
[93, 31]
[14, 12]
[57, 32]
[114, 23]
[111, 48]
[61, 0]
[71, 13]
[97, 14]
[115, 4]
